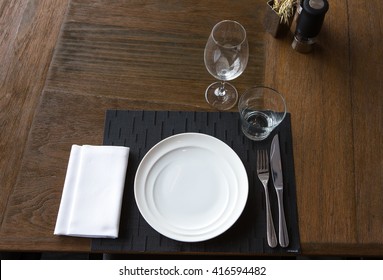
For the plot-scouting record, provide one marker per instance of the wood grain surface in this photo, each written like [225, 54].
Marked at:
[335, 96]
[149, 55]
[29, 31]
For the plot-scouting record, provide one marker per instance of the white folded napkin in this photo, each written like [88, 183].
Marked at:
[92, 195]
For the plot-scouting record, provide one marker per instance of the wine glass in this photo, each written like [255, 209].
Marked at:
[226, 55]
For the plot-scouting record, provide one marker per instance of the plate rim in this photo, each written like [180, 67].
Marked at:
[238, 168]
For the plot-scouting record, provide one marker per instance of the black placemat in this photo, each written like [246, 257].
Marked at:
[141, 130]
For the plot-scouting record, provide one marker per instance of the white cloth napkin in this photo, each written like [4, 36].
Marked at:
[92, 195]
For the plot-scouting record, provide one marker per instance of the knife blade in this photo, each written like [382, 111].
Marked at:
[277, 176]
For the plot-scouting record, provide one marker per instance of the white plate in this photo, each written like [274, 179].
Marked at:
[191, 187]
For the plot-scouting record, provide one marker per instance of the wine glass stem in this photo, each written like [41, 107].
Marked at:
[222, 91]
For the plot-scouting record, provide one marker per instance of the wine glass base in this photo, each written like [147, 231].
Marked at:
[221, 100]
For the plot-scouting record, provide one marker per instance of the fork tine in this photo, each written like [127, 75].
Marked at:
[262, 161]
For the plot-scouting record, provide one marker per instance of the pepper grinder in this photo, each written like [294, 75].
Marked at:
[309, 23]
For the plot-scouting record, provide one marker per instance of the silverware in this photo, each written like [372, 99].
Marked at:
[276, 172]
[263, 175]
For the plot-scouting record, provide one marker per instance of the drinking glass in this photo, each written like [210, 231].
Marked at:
[261, 110]
[226, 55]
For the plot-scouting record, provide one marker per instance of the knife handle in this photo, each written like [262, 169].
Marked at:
[283, 234]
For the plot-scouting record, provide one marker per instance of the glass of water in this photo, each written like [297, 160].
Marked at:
[226, 55]
[261, 109]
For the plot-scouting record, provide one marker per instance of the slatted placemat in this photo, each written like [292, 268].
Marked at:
[141, 130]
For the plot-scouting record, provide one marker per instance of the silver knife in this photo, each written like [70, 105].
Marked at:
[276, 172]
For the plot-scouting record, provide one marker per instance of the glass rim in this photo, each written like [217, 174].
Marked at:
[270, 90]
[226, 21]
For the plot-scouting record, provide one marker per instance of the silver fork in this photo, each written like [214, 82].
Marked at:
[263, 175]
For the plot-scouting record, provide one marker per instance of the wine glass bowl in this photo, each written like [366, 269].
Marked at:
[226, 55]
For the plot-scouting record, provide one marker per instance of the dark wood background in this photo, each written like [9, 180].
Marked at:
[63, 63]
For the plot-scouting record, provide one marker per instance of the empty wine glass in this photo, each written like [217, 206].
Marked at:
[226, 55]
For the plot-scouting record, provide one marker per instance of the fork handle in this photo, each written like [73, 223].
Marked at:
[271, 235]
[283, 234]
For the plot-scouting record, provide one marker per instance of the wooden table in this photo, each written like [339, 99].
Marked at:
[63, 63]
